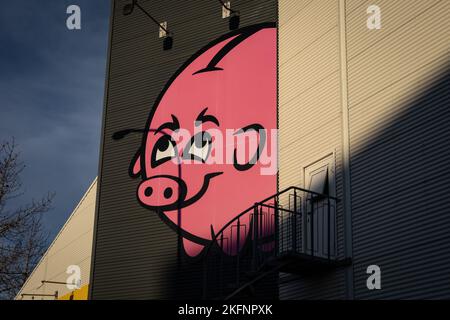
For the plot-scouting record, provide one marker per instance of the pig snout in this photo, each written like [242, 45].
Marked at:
[162, 192]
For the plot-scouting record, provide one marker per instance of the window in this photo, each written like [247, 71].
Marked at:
[319, 221]
[318, 180]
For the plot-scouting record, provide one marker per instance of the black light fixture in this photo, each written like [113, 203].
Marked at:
[235, 19]
[168, 39]
[128, 8]
[167, 43]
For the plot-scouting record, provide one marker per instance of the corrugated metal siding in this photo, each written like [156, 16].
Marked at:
[310, 116]
[399, 99]
[399, 115]
[135, 252]
[72, 246]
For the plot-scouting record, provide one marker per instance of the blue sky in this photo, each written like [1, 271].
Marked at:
[51, 96]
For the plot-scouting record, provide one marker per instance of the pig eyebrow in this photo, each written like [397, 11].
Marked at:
[205, 118]
[174, 125]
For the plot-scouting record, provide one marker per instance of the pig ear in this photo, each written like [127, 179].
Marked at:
[135, 166]
[261, 132]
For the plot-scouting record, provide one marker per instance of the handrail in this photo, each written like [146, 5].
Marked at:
[254, 207]
[216, 235]
[278, 208]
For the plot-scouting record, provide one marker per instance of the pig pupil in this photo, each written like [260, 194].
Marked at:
[164, 145]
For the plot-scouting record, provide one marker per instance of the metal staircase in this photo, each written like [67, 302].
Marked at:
[293, 231]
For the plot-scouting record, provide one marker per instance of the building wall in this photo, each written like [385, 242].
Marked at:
[136, 254]
[398, 100]
[310, 121]
[393, 85]
[72, 246]
[380, 96]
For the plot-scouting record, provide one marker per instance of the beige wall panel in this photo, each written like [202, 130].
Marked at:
[79, 224]
[306, 150]
[355, 5]
[306, 24]
[402, 51]
[395, 15]
[60, 275]
[308, 67]
[300, 115]
[381, 110]
[310, 124]
[72, 254]
[72, 246]
[290, 8]
[308, 85]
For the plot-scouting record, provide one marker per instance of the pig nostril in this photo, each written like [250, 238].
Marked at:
[148, 191]
[168, 193]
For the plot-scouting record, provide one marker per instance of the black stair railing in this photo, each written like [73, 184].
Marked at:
[294, 221]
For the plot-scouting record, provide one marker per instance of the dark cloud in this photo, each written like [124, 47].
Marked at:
[51, 96]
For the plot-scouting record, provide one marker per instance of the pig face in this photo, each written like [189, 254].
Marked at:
[227, 89]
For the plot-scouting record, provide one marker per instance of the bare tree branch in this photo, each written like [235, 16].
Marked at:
[22, 240]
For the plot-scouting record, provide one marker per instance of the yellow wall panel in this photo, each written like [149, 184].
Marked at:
[80, 294]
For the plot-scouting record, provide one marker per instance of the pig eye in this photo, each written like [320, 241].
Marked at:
[199, 147]
[163, 150]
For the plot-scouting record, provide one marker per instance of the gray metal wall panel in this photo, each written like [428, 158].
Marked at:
[135, 252]
[398, 95]
[399, 84]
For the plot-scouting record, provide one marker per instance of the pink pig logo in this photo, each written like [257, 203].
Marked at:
[229, 84]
